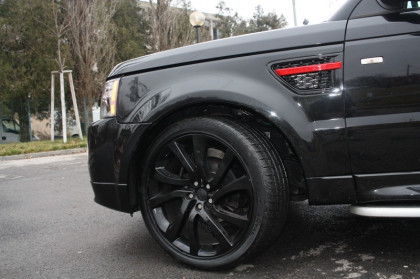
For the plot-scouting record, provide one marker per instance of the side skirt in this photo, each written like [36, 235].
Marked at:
[392, 211]
[388, 187]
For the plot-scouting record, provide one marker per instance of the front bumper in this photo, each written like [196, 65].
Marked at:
[112, 151]
[114, 196]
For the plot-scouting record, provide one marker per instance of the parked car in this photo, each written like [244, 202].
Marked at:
[10, 130]
[211, 141]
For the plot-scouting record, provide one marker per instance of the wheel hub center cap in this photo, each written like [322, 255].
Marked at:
[202, 194]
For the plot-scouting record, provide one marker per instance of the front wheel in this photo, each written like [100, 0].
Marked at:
[213, 192]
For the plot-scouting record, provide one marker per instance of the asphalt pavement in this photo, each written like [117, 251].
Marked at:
[51, 228]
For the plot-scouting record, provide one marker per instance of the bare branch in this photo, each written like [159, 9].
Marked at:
[92, 38]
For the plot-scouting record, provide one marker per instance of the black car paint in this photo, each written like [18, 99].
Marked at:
[383, 103]
[241, 46]
[338, 146]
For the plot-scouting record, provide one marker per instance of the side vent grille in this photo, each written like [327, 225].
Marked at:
[308, 76]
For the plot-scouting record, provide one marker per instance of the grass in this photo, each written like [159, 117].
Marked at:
[39, 146]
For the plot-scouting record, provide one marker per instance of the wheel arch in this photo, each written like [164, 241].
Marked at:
[283, 144]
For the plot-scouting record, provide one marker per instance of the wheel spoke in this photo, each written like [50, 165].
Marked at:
[183, 157]
[192, 231]
[160, 199]
[242, 183]
[174, 229]
[201, 196]
[164, 176]
[236, 219]
[200, 153]
[218, 231]
[223, 168]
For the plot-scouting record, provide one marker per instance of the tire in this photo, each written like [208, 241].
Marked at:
[213, 192]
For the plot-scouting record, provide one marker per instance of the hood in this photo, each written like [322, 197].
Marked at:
[263, 42]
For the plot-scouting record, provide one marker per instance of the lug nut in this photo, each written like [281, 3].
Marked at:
[191, 196]
[210, 200]
[199, 206]
[208, 186]
[196, 183]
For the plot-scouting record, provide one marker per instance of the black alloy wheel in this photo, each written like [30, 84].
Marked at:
[213, 192]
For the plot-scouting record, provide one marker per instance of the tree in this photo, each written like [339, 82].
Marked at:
[170, 26]
[92, 42]
[57, 22]
[132, 27]
[231, 24]
[263, 22]
[26, 52]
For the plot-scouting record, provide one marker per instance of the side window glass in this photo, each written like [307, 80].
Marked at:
[395, 5]
[412, 4]
[9, 126]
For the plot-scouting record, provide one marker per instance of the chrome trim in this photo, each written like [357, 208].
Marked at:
[383, 119]
[382, 211]
[372, 60]
[387, 174]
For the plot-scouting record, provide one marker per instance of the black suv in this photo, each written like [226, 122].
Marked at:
[211, 142]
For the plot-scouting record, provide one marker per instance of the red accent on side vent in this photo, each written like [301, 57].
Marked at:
[309, 69]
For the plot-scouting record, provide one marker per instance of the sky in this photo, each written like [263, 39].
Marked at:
[313, 10]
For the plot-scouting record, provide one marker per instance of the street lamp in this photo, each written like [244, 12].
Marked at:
[197, 20]
[294, 12]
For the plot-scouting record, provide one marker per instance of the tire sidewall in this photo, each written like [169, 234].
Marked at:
[244, 151]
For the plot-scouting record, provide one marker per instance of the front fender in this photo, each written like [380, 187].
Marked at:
[313, 124]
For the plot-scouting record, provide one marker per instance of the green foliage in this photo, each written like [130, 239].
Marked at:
[131, 35]
[231, 24]
[263, 22]
[25, 59]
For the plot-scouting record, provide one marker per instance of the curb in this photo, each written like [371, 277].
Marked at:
[43, 154]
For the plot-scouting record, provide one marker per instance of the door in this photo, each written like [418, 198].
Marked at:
[382, 85]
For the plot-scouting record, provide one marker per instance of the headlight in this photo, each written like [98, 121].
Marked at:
[109, 98]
